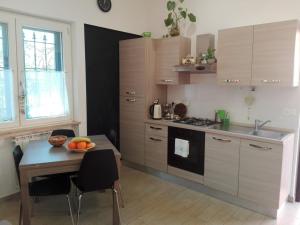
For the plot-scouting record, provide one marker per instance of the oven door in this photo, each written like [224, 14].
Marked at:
[194, 162]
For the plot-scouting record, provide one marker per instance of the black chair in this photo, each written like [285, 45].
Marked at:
[65, 132]
[58, 185]
[98, 171]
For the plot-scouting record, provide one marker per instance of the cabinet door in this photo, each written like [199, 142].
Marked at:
[132, 67]
[222, 163]
[260, 173]
[132, 131]
[276, 54]
[235, 56]
[156, 149]
[169, 52]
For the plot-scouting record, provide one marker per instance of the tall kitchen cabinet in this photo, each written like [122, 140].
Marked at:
[169, 53]
[137, 92]
[266, 54]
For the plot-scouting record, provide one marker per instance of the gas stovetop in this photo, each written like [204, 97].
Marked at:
[196, 121]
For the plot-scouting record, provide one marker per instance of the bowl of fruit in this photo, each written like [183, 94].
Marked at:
[58, 140]
[80, 144]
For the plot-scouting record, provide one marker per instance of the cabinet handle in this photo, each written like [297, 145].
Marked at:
[260, 147]
[130, 92]
[155, 128]
[222, 140]
[167, 81]
[155, 139]
[231, 81]
[270, 81]
[131, 100]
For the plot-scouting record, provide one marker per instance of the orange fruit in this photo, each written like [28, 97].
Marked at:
[89, 145]
[81, 145]
[72, 145]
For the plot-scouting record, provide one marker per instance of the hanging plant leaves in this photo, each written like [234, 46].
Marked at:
[169, 21]
[181, 1]
[183, 14]
[171, 5]
[192, 17]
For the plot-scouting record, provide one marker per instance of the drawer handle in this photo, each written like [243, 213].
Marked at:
[130, 92]
[270, 81]
[232, 81]
[222, 140]
[167, 81]
[131, 100]
[260, 147]
[155, 139]
[155, 128]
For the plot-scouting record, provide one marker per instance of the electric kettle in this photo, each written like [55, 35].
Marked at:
[155, 110]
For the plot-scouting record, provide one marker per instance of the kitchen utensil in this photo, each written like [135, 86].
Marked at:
[180, 110]
[58, 140]
[167, 111]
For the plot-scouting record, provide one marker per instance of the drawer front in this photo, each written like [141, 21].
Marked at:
[260, 173]
[222, 163]
[156, 152]
[156, 130]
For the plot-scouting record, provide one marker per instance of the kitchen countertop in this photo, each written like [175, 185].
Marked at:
[232, 130]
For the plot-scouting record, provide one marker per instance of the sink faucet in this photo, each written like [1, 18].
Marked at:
[259, 124]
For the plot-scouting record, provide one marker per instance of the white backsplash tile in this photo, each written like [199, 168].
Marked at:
[281, 105]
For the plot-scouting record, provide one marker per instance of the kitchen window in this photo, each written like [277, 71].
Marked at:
[35, 87]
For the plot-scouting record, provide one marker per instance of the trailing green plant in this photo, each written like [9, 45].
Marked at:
[176, 13]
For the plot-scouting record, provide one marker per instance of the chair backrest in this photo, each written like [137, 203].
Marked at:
[98, 170]
[65, 132]
[18, 154]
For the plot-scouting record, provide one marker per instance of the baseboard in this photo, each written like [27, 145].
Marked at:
[204, 189]
[9, 197]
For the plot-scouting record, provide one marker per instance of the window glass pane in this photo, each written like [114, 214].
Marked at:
[45, 82]
[6, 79]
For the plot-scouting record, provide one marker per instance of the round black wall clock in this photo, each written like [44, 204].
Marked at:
[104, 5]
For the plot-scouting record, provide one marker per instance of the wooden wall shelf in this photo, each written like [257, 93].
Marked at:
[196, 69]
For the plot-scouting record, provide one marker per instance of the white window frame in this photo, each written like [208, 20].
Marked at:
[9, 19]
[65, 29]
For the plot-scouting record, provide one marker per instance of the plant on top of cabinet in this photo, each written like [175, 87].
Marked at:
[176, 13]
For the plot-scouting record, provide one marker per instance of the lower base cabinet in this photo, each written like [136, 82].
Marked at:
[156, 152]
[156, 147]
[260, 173]
[222, 163]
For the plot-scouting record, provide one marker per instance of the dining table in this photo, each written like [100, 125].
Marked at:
[40, 159]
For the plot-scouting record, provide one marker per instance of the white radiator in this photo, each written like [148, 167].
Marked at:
[25, 139]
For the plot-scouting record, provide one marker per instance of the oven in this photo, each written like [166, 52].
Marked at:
[186, 149]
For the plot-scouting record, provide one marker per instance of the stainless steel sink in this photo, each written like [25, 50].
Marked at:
[276, 135]
[268, 134]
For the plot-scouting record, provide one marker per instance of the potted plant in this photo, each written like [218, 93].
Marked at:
[210, 56]
[176, 14]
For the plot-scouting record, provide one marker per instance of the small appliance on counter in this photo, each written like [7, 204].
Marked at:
[155, 110]
[168, 111]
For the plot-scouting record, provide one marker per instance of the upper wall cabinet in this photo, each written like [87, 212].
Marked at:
[235, 55]
[276, 54]
[169, 52]
[266, 54]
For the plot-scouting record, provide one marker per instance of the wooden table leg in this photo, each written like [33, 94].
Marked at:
[116, 212]
[117, 184]
[25, 198]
